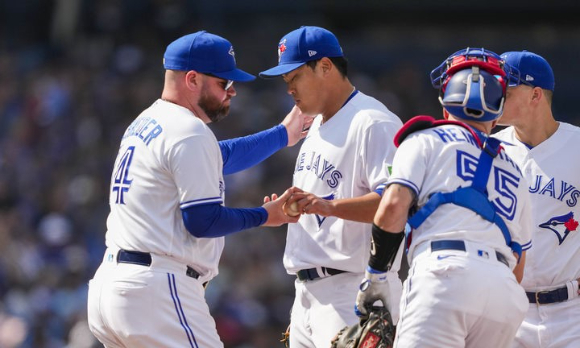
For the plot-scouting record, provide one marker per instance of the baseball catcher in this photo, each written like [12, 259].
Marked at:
[462, 289]
[374, 331]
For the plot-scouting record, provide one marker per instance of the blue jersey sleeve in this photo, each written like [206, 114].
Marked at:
[214, 220]
[242, 153]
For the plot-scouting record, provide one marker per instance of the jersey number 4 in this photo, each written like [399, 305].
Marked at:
[121, 182]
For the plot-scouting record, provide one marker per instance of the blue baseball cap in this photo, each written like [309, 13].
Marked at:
[301, 46]
[205, 53]
[534, 70]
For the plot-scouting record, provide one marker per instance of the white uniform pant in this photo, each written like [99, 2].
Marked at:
[324, 306]
[454, 298]
[149, 306]
[551, 326]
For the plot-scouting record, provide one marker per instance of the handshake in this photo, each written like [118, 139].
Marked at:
[297, 202]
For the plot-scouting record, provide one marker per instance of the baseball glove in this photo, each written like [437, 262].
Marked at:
[285, 340]
[377, 331]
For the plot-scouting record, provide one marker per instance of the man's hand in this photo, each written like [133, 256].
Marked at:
[273, 206]
[297, 125]
[374, 287]
[309, 203]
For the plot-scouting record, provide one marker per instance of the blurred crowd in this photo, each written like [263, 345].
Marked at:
[73, 74]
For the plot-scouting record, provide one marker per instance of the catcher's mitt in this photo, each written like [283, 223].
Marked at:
[375, 332]
[285, 340]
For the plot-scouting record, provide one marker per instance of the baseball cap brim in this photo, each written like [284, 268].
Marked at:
[235, 75]
[280, 70]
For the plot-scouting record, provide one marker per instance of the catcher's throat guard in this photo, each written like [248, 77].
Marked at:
[377, 331]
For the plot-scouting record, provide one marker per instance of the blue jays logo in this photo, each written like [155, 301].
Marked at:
[281, 49]
[232, 53]
[561, 225]
[320, 219]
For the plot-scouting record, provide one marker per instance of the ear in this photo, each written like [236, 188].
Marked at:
[537, 94]
[192, 79]
[325, 65]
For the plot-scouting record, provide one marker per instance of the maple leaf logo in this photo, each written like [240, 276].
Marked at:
[571, 224]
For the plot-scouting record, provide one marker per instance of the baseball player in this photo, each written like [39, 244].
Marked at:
[166, 228]
[471, 220]
[340, 171]
[546, 152]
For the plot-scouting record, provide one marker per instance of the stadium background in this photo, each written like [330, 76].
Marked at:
[74, 73]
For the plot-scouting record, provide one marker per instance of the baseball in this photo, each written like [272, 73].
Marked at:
[292, 209]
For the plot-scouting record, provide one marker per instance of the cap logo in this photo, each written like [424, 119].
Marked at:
[311, 53]
[232, 53]
[281, 49]
[529, 78]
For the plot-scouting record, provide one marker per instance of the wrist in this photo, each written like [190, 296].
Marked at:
[371, 270]
[375, 276]
[263, 215]
[284, 134]
[384, 248]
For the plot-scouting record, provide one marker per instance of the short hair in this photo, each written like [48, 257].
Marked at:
[340, 63]
[549, 95]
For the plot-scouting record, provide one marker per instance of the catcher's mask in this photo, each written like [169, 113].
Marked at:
[472, 84]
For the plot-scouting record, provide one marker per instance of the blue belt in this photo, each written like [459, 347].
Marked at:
[545, 297]
[437, 245]
[144, 259]
[312, 273]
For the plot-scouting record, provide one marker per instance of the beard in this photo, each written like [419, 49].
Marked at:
[213, 108]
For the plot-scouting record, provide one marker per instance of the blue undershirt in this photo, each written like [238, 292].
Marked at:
[214, 220]
[245, 152]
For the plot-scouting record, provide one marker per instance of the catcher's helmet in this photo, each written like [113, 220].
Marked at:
[472, 84]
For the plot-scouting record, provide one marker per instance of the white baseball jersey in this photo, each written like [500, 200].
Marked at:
[479, 297]
[552, 170]
[347, 156]
[168, 159]
[444, 158]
